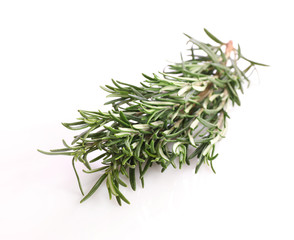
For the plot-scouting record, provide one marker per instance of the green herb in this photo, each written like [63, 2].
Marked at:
[171, 114]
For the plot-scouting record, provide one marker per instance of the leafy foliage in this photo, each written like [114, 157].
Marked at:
[160, 120]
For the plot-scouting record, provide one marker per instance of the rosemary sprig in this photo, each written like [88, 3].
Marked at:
[157, 122]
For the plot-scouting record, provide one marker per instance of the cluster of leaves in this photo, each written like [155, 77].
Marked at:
[158, 121]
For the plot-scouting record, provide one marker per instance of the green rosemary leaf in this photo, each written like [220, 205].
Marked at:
[126, 160]
[122, 134]
[141, 171]
[203, 140]
[120, 195]
[119, 181]
[132, 177]
[147, 77]
[95, 170]
[111, 184]
[169, 88]
[176, 133]
[127, 84]
[205, 48]
[213, 157]
[156, 103]
[107, 90]
[118, 95]
[152, 146]
[214, 111]
[212, 167]
[138, 150]
[198, 151]
[157, 124]
[141, 126]
[77, 176]
[161, 153]
[129, 130]
[123, 171]
[69, 126]
[191, 139]
[126, 124]
[153, 107]
[233, 94]
[56, 153]
[212, 37]
[116, 186]
[239, 51]
[194, 124]
[199, 164]
[95, 187]
[206, 123]
[146, 167]
[109, 190]
[112, 129]
[254, 63]
[217, 82]
[184, 89]
[116, 84]
[123, 117]
[60, 150]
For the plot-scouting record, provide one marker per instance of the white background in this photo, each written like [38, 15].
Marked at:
[53, 57]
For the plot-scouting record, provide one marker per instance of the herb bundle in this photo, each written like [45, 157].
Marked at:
[173, 117]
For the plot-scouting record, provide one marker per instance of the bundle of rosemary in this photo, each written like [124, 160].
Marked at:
[173, 113]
